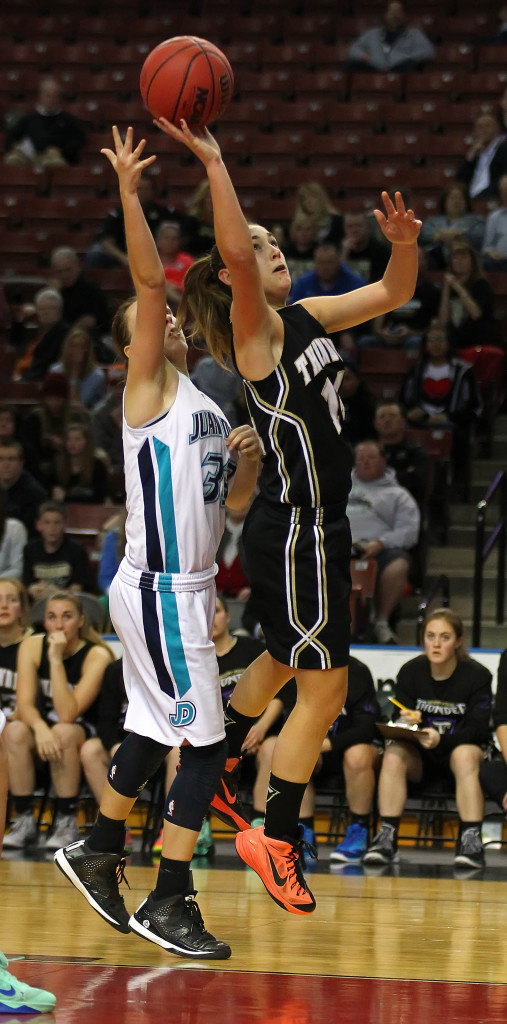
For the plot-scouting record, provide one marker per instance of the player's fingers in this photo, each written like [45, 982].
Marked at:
[380, 217]
[148, 160]
[400, 205]
[110, 155]
[388, 203]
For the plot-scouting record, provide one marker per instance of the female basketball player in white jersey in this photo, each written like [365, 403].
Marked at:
[296, 535]
[177, 450]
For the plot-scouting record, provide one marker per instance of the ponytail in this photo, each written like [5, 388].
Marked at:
[206, 306]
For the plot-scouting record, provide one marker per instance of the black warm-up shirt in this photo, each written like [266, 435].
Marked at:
[459, 707]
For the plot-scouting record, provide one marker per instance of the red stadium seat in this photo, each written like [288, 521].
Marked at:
[377, 85]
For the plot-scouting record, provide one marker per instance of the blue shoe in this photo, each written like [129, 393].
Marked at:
[354, 845]
[308, 835]
[15, 997]
[205, 845]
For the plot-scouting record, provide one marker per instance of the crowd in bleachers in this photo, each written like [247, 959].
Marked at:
[311, 137]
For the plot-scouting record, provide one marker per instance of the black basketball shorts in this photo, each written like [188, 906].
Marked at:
[298, 566]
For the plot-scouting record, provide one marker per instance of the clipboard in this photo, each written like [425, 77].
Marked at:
[394, 731]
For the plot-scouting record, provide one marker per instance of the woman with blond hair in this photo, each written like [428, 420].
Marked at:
[59, 676]
[87, 380]
[315, 202]
[448, 696]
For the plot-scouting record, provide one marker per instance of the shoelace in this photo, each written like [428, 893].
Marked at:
[296, 861]
[195, 913]
[119, 872]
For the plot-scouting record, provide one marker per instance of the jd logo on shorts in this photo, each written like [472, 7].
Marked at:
[184, 714]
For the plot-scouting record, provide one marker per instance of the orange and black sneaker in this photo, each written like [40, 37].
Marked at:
[278, 865]
[226, 802]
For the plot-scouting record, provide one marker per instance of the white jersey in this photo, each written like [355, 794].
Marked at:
[176, 472]
[162, 599]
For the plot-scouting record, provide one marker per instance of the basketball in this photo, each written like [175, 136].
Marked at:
[186, 77]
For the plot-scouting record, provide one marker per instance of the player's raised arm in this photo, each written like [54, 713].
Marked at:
[147, 329]
[251, 316]
[396, 287]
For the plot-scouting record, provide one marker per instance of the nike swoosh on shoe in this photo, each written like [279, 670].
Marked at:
[278, 878]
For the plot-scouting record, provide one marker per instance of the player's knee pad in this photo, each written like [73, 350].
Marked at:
[135, 761]
[195, 784]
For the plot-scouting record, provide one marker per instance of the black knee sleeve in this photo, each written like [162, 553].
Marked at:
[135, 761]
[195, 784]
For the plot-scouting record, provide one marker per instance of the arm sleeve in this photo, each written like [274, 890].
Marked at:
[500, 704]
[475, 726]
[364, 713]
[111, 700]
[405, 531]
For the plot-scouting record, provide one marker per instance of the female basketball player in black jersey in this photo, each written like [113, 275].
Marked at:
[296, 535]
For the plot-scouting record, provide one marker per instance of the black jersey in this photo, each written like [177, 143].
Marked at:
[298, 414]
[459, 707]
[73, 666]
[8, 675]
[232, 665]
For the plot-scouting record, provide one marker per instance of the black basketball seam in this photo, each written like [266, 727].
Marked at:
[182, 49]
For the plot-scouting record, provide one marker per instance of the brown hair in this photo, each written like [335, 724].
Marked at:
[454, 621]
[477, 270]
[90, 362]
[205, 306]
[23, 598]
[63, 460]
[119, 329]
[86, 631]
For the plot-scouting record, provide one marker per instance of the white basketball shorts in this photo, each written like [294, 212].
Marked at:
[169, 661]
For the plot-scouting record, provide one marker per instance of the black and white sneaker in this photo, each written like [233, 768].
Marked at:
[175, 923]
[97, 876]
[383, 849]
[470, 853]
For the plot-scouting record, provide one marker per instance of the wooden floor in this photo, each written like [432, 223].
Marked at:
[374, 951]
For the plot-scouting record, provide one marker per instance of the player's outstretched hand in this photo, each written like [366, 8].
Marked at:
[127, 161]
[400, 225]
[200, 141]
[246, 441]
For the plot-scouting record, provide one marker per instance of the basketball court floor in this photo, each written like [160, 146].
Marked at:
[410, 947]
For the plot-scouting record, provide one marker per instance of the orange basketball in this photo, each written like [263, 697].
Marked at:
[187, 77]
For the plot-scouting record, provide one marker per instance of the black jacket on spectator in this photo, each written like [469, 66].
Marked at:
[497, 168]
[463, 402]
[66, 567]
[85, 298]
[22, 500]
[61, 129]
[459, 707]
[411, 463]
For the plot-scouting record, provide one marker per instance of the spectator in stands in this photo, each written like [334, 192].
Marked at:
[84, 302]
[9, 424]
[175, 260]
[454, 222]
[486, 158]
[81, 475]
[494, 246]
[106, 421]
[392, 46]
[448, 695]
[314, 202]
[23, 494]
[299, 250]
[468, 300]
[38, 335]
[358, 403]
[329, 276]
[46, 136]
[352, 746]
[441, 390]
[493, 772]
[109, 248]
[87, 380]
[13, 537]
[201, 236]
[60, 674]
[14, 618]
[404, 326]
[384, 520]
[112, 551]
[223, 385]
[45, 425]
[231, 579]
[411, 463]
[361, 252]
[501, 33]
[97, 751]
[54, 562]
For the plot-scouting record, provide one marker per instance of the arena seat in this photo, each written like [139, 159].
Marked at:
[377, 85]
[446, 83]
